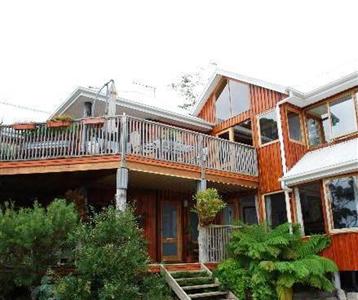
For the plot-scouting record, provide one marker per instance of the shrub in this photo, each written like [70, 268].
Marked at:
[267, 263]
[110, 260]
[31, 241]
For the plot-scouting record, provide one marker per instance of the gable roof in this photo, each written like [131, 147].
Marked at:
[219, 74]
[144, 110]
[296, 97]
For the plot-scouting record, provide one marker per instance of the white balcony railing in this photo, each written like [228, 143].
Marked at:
[135, 136]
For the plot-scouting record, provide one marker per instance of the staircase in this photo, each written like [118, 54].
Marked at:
[194, 282]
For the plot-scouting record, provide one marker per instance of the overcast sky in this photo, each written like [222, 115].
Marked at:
[48, 48]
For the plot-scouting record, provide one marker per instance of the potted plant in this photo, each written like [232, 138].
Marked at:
[208, 204]
[24, 126]
[99, 121]
[60, 121]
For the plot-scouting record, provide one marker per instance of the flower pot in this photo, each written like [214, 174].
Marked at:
[24, 126]
[94, 121]
[56, 124]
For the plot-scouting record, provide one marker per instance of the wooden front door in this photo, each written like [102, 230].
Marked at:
[171, 233]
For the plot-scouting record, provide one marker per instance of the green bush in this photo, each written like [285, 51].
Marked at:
[266, 263]
[110, 261]
[31, 241]
[208, 204]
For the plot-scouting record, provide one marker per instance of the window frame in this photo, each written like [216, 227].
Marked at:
[354, 96]
[263, 201]
[328, 207]
[259, 128]
[303, 133]
[230, 130]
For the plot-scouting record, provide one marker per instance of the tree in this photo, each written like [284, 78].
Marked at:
[31, 241]
[208, 204]
[189, 85]
[266, 263]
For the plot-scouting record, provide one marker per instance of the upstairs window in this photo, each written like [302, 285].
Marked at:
[294, 126]
[242, 133]
[232, 100]
[268, 127]
[331, 120]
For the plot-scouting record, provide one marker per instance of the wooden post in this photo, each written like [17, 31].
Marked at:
[122, 171]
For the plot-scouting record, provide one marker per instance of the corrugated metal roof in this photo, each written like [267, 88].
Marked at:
[324, 162]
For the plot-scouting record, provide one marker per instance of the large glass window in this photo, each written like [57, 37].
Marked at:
[243, 133]
[233, 99]
[343, 117]
[276, 213]
[311, 208]
[331, 120]
[268, 127]
[343, 197]
[294, 126]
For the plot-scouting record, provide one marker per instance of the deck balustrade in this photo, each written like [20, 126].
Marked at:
[127, 135]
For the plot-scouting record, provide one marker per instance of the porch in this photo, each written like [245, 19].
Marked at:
[162, 203]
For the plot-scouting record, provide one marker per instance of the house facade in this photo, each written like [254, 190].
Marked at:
[275, 154]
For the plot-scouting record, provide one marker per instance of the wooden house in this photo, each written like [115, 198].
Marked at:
[275, 155]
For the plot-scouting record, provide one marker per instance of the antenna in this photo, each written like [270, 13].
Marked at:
[147, 86]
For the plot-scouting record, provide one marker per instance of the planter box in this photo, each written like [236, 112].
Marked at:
[24, 126]
[94, 121]
[56, 124]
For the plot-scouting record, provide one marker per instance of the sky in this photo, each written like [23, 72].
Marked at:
[48, 48]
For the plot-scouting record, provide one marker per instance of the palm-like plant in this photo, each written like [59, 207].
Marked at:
[272, 261]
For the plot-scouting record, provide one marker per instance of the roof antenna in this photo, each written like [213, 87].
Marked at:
[110, 99]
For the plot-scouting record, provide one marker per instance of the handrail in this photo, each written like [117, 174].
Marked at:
[141, 137]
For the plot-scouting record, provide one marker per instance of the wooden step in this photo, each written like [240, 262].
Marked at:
[201, 286]
[208, 294]
[188, 274]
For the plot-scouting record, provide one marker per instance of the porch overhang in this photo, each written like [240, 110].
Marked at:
[337, 159]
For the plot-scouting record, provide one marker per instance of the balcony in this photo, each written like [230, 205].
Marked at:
[128, 137]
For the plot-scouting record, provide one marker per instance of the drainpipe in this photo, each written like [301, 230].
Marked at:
[285, 188]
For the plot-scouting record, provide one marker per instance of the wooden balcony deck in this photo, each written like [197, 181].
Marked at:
[140, 141]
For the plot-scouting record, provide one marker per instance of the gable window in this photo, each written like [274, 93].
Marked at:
[275, 206]
[268, 127]
[232, 100]
[294, 126]
[343, 200]
[331, 120]
[311, 208]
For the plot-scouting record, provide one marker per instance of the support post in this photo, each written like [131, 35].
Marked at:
[121, 188]
[122, 171]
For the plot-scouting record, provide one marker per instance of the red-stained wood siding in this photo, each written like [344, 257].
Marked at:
[343, 251]
[208, 111]
[293, 150]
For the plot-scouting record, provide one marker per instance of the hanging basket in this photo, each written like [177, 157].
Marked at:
[99, 121]
[24, 126]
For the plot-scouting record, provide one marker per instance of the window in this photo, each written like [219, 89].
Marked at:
[233, 99]
[294, 126]
[228, 214]
[311, 208]
[276, 213]
[331, 120]
[268, 127]
[225, 135]
[87, 109]
[243, 133]
[248, 211]
[349, 281]
[343, 199]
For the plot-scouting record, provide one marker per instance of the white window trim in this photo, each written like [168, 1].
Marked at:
[299, 210]
[287, 204]
[327, 202]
